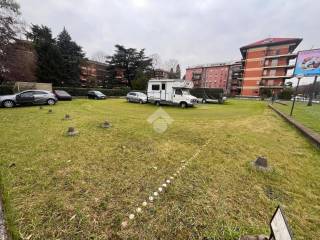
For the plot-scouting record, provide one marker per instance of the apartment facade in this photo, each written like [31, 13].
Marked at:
[218, 75]
[161, 74]
[92, 73]
[266, 64]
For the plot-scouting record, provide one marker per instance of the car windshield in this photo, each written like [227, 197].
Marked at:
[98, 93]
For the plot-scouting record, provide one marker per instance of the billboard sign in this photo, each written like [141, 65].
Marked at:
[308, 63]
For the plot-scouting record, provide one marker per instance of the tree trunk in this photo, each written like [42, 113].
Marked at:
[312, 91]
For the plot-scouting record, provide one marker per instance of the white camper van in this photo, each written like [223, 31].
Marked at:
[171, 92]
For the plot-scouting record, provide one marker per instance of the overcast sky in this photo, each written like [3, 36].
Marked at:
[193, 32]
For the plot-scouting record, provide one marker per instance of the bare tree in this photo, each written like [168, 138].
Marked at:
[9, 26]
[156, 60]
[99, 56]
[171, 63]
[21, 62]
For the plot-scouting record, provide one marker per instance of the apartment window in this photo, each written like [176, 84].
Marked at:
[274, 62]
[272, 72]
[266, 63]
[196, 76]
[265, 72]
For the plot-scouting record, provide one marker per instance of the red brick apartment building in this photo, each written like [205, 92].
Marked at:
[92, 73]
[266, 63]
[218, 75]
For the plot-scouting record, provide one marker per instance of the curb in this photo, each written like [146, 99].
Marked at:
[3, 231]
[307, 132]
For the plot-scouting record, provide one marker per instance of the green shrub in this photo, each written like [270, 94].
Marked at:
[83, 91]
[286, 94]
[6, 90]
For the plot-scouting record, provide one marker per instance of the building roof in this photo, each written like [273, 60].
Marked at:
[271, 42]
[221, 64]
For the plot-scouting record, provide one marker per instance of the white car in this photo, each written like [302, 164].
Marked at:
[138, 97]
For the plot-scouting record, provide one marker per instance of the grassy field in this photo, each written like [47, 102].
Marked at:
[308, 116]
[84, 187]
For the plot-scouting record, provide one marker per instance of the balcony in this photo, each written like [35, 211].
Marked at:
[288, 55]
[276, 77]
[272, 86]
[279, 66]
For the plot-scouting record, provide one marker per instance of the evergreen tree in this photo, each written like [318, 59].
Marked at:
[72, 56]
[178, 72]
[49, 58]
[171, 74]
[131, 62]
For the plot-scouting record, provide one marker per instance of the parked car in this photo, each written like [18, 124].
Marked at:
[96, 95]
[209, 95]
[171, 92]
[136, 97]
[29, 97]
[62, 95]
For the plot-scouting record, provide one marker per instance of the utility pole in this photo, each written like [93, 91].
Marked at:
[313, 89]
[295, 96]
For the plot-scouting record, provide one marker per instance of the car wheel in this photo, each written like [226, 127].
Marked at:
[8, 104]
[204, 101]
[183, 105]
[51, 101]
[140, 101]
[157, 103]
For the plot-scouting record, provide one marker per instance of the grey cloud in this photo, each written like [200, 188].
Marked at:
[191, 31]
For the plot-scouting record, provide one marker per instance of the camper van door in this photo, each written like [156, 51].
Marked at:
[177, 95]
[163, 92]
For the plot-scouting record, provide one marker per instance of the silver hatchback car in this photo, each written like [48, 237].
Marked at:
[29, 97]
[138, 97]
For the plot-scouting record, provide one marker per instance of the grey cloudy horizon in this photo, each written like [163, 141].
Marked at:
[193, 32]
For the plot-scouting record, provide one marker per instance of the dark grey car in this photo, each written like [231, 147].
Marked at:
[29, 97]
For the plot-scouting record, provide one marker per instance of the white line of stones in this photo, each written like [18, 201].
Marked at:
[162, 187]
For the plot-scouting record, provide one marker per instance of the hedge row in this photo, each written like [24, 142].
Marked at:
[83, 91]
[6, 90]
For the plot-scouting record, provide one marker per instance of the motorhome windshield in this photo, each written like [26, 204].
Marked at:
[185, 92]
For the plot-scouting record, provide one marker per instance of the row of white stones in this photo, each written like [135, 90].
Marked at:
[162, 187]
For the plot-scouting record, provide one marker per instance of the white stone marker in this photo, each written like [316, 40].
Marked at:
[124, 224]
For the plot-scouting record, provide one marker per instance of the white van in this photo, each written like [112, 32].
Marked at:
[171, 92]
